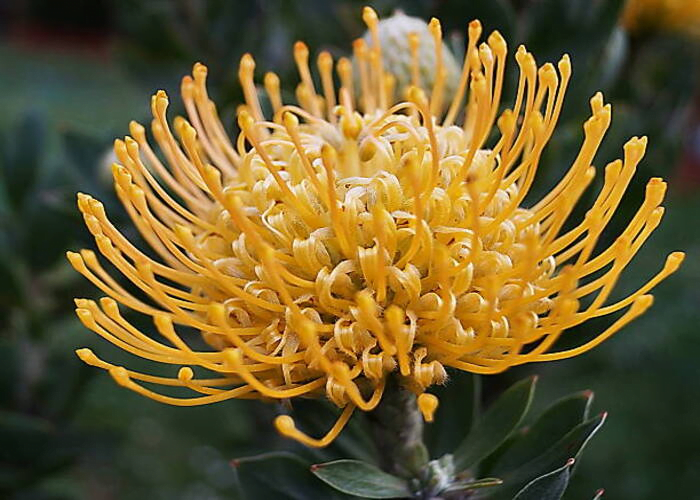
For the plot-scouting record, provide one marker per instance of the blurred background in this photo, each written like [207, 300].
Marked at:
[72, 75]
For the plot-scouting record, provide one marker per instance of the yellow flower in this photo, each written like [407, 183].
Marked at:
[681, 16]
[359, 233]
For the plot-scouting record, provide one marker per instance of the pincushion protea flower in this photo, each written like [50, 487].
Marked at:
[681, 16]
[375, 228]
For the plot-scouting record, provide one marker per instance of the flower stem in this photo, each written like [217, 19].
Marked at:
[397, 427]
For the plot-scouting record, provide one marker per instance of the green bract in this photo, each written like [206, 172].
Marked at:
[498, 457]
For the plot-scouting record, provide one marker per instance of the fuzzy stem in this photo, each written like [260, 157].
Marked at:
[397, 427]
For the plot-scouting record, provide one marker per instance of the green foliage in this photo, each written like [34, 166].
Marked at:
[570, 446]
[555, 422]
[525, 461]
[361, 479]
[40, 382]
[496, 425]
[548, 487]
[293, 478]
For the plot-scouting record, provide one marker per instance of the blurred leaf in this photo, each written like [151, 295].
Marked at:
[496, 424]
[495, 15]
[463, 391]
[613, 58]
[31, 447]
[88, 155]
[292, 478]
[12, 274]
[554, 423]
[263, 457]
[9, 367]
[581, 26]
[548, 487]
[361, 479]
[22, 435]
[21, 152]
[570, 446]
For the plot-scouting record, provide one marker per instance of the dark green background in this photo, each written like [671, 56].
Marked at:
[72, 76]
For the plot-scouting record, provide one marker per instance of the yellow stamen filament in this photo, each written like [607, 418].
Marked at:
[285, 426]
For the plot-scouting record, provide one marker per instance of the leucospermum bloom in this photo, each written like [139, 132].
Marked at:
[680, 16]
[373, 229]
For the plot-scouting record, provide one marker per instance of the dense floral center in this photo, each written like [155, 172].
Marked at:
[375, 231]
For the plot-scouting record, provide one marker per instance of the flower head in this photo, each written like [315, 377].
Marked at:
[364, 231]
[681, 16]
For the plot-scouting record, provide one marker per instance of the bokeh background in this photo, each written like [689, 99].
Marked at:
[72, 75]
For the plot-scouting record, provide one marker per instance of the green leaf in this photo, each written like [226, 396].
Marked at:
[570, 446]
[262, 457]
[292, 477]
[22, 436]
[21, 155]
[474, 484]
[548, 487]
[554, 423]
[496, 424]
[612, 60]
[463, 391]
[361, 479]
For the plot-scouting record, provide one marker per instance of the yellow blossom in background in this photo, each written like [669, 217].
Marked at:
[680, 16]
[365, 231]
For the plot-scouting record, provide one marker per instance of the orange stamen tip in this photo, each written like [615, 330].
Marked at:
[359, 45]
[271, 78]
[325, 59]
[136, 130]
[427, 404]
[674, 260]
[300, 49]
[247, 62]
[185, 374]
[417, 95]
[565, 61]
[86, 355]
[245, 120]
[74, 258]
[369, 16]
[642, 303]
[329, 155]
[285, 425]
[290, 119]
